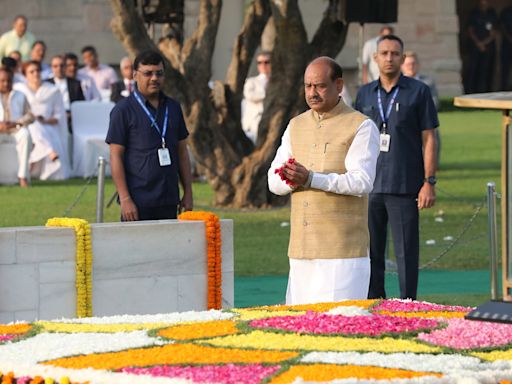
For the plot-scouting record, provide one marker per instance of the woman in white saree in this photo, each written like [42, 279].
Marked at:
[49, 159]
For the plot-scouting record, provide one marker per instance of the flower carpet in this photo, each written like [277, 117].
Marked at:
[352, 341]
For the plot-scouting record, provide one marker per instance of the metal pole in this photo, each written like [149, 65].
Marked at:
[100, 196]
[360, 58]
[493, 237]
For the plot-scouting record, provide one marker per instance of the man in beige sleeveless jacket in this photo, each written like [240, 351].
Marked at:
[327, 161]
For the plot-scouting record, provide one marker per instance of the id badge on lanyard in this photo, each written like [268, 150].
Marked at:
[384, 142]
[385, 137]
[164, 156]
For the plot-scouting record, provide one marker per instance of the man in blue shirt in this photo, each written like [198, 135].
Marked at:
[403, 110]
[148, 147]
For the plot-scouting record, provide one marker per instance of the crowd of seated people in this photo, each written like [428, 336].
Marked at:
[49, 89]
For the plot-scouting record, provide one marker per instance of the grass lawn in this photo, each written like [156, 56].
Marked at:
[470, 158]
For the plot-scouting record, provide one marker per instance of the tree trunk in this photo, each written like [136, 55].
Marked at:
[235, 168]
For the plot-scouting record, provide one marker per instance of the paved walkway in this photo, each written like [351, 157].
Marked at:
[269, 290]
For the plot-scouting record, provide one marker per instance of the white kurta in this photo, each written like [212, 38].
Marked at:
[17, 110]
[47, 102]
[254, 96]
[369, 48]
[323, 280]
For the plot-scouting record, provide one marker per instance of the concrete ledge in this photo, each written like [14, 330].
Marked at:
[138, 268]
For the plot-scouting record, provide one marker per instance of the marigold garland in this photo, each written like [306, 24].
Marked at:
[213, 244]
[83, 261]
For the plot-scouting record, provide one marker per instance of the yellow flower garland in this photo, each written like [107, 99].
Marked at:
[83, 262]
[213, 246]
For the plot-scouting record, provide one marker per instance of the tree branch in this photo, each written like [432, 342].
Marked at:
[246, 44]
[198, 49]
[291, 42]
[128, 25]
[331, 34]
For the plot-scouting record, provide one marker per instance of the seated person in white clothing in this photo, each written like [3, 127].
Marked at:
[14, 117]
[49, 158]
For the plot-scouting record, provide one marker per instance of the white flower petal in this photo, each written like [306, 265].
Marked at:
[349, 310]
[48, 346]
[170, 318]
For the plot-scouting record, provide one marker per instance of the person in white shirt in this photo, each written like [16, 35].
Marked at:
[370, 69]
[103, 75]
[89, 89]
[15, 115]
[70, 89]
[254, 96]
[123, 88]
[327, 161]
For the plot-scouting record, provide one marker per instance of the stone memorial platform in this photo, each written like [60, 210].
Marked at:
[138, 268]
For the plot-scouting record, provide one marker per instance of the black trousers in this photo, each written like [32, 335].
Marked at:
[481, 69]
[401, 211]
[506, 63]
[157, 213]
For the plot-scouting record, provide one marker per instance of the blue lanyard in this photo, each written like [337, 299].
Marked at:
[152, 119]
[385, 118]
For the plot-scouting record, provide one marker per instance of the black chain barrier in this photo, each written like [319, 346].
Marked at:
[467, 226]
[82, 192]
[79, 196]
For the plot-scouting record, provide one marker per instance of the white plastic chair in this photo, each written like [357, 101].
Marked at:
[8, 160]
[90, 121]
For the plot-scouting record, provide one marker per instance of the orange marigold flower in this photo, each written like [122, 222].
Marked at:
[14, 329]
[328, 372]
[171, 354]
[200, 330]
[213, 249]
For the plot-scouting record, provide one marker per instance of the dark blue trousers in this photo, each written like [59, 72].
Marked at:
[157, 213]
[401, 212]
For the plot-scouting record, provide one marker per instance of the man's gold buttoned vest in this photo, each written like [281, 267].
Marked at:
[326, 225]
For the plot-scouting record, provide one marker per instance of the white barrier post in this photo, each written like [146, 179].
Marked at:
[100, 196]
[493, 237]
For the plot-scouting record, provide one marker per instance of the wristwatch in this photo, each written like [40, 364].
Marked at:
[431, 180]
